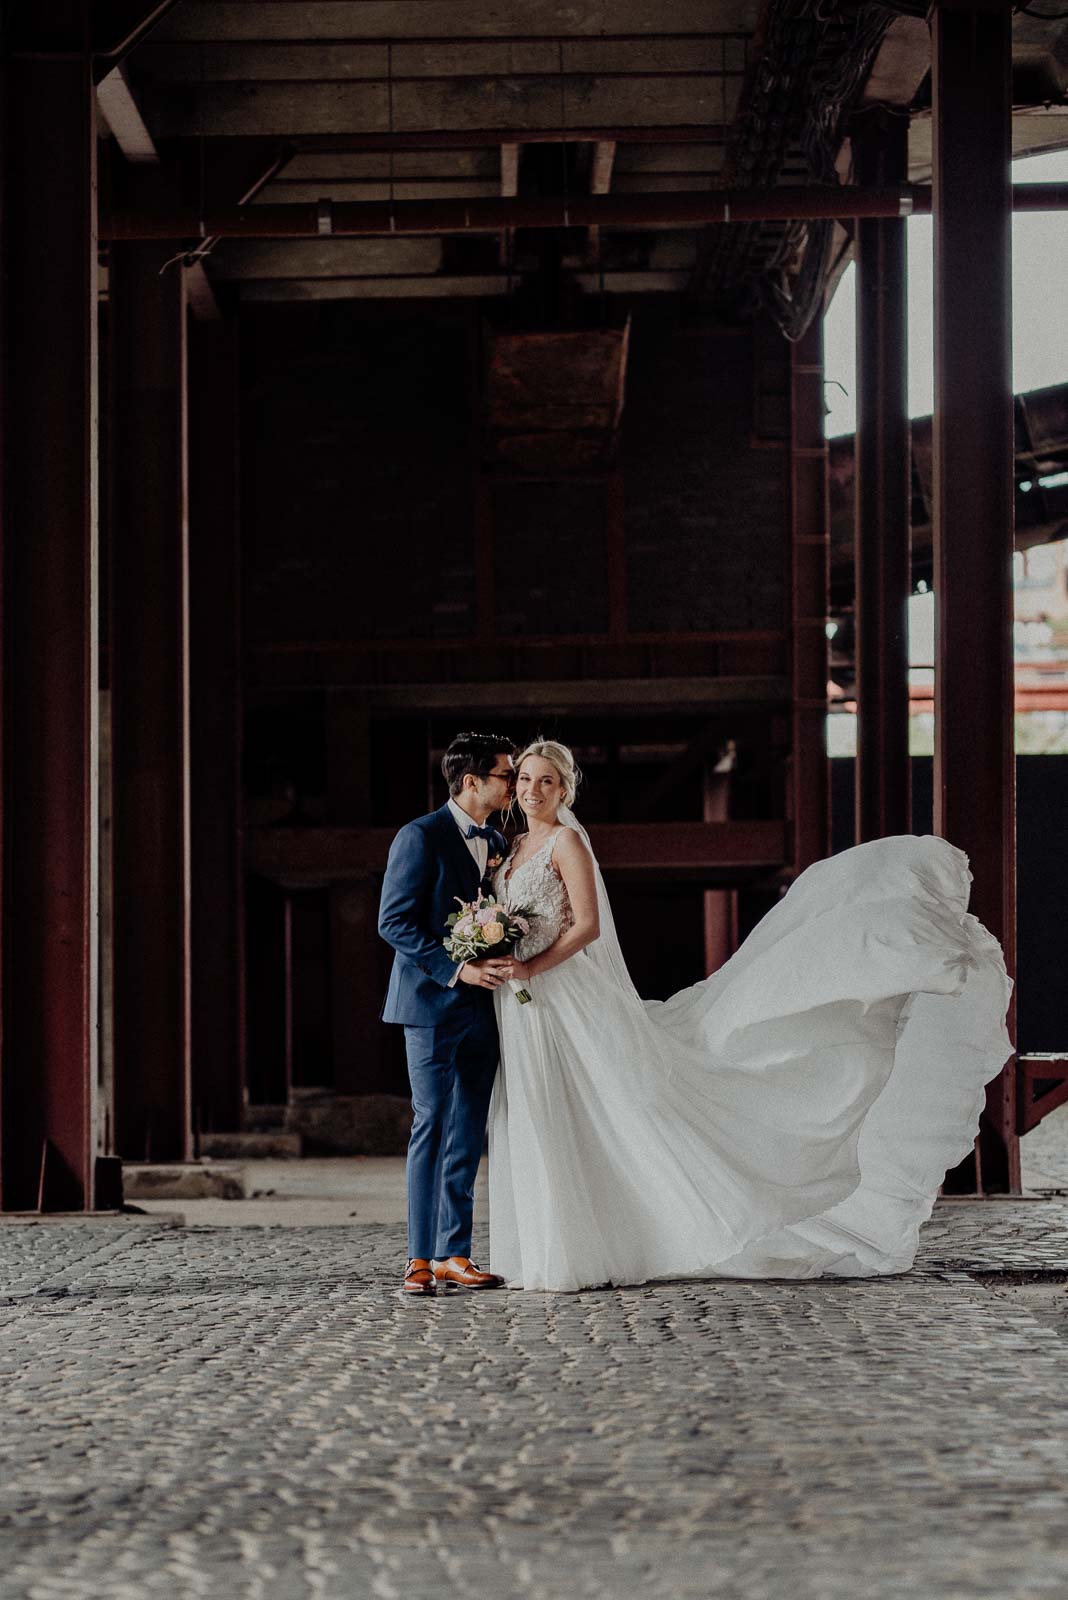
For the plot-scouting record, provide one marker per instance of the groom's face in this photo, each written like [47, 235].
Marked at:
[495, 790]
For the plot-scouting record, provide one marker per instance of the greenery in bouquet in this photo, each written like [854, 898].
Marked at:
[482, 928]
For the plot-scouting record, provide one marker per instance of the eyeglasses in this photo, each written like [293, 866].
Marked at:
[508, 776]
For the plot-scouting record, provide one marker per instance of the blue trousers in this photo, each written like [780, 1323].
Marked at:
[451, 1068]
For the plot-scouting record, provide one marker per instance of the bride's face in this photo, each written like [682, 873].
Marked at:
[539, 789]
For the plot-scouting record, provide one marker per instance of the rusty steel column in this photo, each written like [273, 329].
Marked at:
[150, 718]
[721, 905]
[215, 713]
[974, 774]
[809, 798]
[360, 1044]
[48, 1065]
[882, 457]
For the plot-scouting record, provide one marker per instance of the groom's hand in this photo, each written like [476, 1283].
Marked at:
[485, 974]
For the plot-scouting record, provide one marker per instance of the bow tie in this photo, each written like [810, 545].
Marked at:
[475, 832]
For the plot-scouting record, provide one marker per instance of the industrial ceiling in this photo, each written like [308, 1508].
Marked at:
[270, 101]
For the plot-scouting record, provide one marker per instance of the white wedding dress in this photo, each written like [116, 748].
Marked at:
[789, 1117]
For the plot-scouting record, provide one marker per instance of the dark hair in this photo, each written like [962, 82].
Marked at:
[475, 753]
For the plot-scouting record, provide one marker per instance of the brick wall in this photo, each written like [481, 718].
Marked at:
[705, 481]
[360, 455]
[357, 482]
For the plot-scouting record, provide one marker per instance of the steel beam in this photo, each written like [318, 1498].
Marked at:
[50, 751]
[604, 156]
[150, 726]
[882, 485]
[809, 574]
[1042, 1086]
[482, 214]
[974, 778]
[367, 141]
[119, 27]
[326, 855]
[544, 697]
[235, 177]
[361, 1056]
[215, 714]
[700, 753]
[328, 106]
[510, 170]
[361, 1059]
[303, 59]
[602, 160]
[720, 905]
[122, 113]
[201, 294]
[443, 22]
[443, 286]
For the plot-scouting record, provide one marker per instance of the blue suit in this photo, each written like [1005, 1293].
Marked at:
[450, 1034]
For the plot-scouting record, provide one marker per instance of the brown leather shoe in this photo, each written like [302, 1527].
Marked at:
[418, 1278]
[461, 1271]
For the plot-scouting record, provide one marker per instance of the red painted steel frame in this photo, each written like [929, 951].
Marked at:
[974, 773]
[216, 868]
[1042, 1086]
[48, 1063]
[119, 26]
[689, 209]
[615, 521]
[325, 854]
[809, 564]
[150, 730]
[370, 140]
[882, 456]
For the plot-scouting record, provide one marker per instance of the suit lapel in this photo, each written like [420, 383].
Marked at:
[456, 849]
[498, 846]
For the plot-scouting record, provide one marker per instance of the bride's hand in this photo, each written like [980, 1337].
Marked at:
[486, 974]
[520, 971]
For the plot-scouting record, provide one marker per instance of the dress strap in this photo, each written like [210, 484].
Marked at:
[546, 849]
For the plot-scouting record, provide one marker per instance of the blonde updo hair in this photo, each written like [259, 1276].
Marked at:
[561, 758]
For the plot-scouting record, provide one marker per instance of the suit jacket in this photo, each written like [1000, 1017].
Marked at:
[429, 869]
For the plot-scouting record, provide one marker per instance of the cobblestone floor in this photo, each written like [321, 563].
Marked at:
[251, 1412]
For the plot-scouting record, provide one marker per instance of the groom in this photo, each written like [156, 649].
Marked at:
[450, 1032]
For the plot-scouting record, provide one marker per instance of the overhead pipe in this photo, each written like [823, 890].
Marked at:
[347, 219]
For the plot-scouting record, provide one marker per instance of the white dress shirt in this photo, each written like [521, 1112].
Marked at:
[479, 849]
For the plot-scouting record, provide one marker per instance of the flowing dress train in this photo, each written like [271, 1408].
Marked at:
[791, 1116]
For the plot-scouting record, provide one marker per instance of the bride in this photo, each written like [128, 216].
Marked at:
[791, 1116]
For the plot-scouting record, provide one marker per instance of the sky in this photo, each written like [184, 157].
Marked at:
[1039, 299]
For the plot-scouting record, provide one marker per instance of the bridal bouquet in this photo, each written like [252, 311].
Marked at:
[482, 927]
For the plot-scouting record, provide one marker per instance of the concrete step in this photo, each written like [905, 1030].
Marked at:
[350, 1124]
[192, 1180]
[263, 1119]
[250, 1146]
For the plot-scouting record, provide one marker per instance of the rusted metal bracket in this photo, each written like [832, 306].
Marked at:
[1041, 1086]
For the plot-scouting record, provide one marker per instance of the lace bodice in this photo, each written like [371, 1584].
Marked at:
[535, 887]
